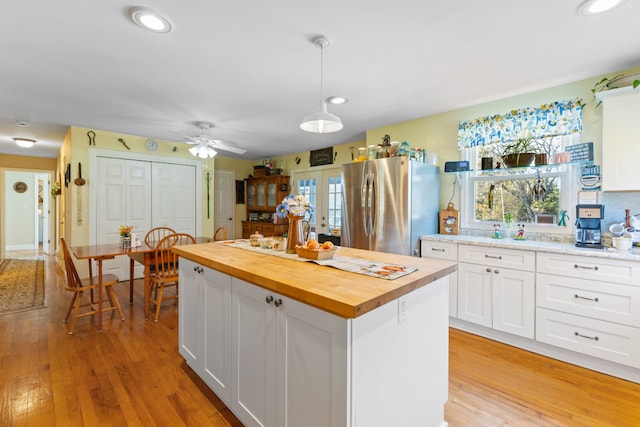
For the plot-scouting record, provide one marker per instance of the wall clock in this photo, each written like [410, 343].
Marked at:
[151, 145]
[20, 187]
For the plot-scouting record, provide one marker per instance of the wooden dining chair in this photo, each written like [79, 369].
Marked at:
[220, 234]
[79, 286]
[153, 236]
[165, 273]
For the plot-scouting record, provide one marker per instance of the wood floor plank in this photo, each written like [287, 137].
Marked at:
[132, 374]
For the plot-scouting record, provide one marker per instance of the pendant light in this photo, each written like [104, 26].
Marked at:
[322, 121]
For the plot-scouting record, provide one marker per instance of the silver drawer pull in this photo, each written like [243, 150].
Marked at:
[586, 336]
[493, 256]
[585, 267]
[437, 250]
[576, 296]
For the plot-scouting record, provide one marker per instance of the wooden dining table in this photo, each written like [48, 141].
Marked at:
[143, 254]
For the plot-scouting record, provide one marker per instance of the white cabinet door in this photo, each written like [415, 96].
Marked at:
[253, 324]
[311, 371]
[123, 197]
[289, 361]
[620, 133]
[498, 298]
[216, 329]
[190, 313]
[174, 198]
[514, 301]
[474, 294]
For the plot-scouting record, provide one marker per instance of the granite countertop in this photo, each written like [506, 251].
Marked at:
[343, 293]
[537, 245]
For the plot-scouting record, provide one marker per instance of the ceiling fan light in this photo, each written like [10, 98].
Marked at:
[203, 151]
[24, 142]
[321, 122]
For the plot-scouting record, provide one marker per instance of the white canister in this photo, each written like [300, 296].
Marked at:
[622, 243]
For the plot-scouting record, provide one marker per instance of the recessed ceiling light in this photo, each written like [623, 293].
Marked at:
[149, 19]
[337, 100]
[24, 142]
[596, 7]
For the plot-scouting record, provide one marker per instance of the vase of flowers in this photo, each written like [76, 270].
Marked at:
[125, 235]
[295, 208]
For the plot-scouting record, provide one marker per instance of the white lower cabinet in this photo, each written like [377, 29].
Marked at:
[289, 361]
[276, 362]
[491, 295]
[448, 251]
[205, 325]
[590, 305]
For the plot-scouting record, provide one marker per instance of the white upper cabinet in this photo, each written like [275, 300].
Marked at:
[620, 136]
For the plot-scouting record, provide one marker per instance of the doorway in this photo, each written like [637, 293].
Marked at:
[26, 212]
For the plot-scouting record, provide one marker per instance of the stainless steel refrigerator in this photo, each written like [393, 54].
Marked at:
[387, 204]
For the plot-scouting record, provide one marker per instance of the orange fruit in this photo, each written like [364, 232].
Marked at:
[327, 245]
[313, 244]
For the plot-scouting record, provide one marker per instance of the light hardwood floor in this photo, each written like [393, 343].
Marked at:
[132, 374]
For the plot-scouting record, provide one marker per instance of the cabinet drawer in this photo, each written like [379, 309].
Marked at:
[441, 250]
[605, 269]
[517, 259]
[610, 341]
[590, 298]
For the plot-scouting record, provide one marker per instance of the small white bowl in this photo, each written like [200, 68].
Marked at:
[616, 230]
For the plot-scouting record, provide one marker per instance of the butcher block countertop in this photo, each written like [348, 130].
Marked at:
[343, 293]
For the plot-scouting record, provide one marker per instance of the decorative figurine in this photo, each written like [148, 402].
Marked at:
[496, 232]
[520, 234]
[563, 219]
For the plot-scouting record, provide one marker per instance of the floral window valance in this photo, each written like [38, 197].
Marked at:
[557, 118]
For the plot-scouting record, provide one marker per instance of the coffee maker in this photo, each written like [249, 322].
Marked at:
[588, 222]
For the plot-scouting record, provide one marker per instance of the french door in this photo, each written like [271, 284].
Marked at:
[323, 188]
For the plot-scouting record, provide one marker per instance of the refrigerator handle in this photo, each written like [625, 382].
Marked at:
[364, 200]
[372, 206]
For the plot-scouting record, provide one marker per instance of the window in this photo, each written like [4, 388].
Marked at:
[534, 196]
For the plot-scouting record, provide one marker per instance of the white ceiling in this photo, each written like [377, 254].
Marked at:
[249, 66]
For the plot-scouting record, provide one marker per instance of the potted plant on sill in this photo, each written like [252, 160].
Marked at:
[521, 152]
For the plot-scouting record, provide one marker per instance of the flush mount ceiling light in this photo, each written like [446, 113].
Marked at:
[596, 7]
[337, 100]
[322, 121]
[149, 19]
[203, 150]
[24, 142]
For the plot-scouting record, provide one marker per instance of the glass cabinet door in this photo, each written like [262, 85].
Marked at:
[271, 195]
[251, 195]
[261, 194]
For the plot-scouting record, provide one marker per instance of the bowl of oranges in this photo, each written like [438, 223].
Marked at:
[318, 251]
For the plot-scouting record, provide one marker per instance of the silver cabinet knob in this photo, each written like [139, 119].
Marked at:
[269, 299]
[278, 302]
[488, 270]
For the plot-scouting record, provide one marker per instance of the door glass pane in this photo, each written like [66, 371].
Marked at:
[308, 187]
[335, 202]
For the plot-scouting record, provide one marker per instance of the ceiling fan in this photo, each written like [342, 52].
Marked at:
[204, 146]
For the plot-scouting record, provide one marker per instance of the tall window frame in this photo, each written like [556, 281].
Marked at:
[567, 173]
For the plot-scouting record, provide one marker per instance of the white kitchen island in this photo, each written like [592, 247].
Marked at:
[290, 343]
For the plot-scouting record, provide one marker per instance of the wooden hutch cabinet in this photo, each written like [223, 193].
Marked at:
[264, 194]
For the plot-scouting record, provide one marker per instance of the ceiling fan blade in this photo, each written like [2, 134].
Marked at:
[220, 145]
